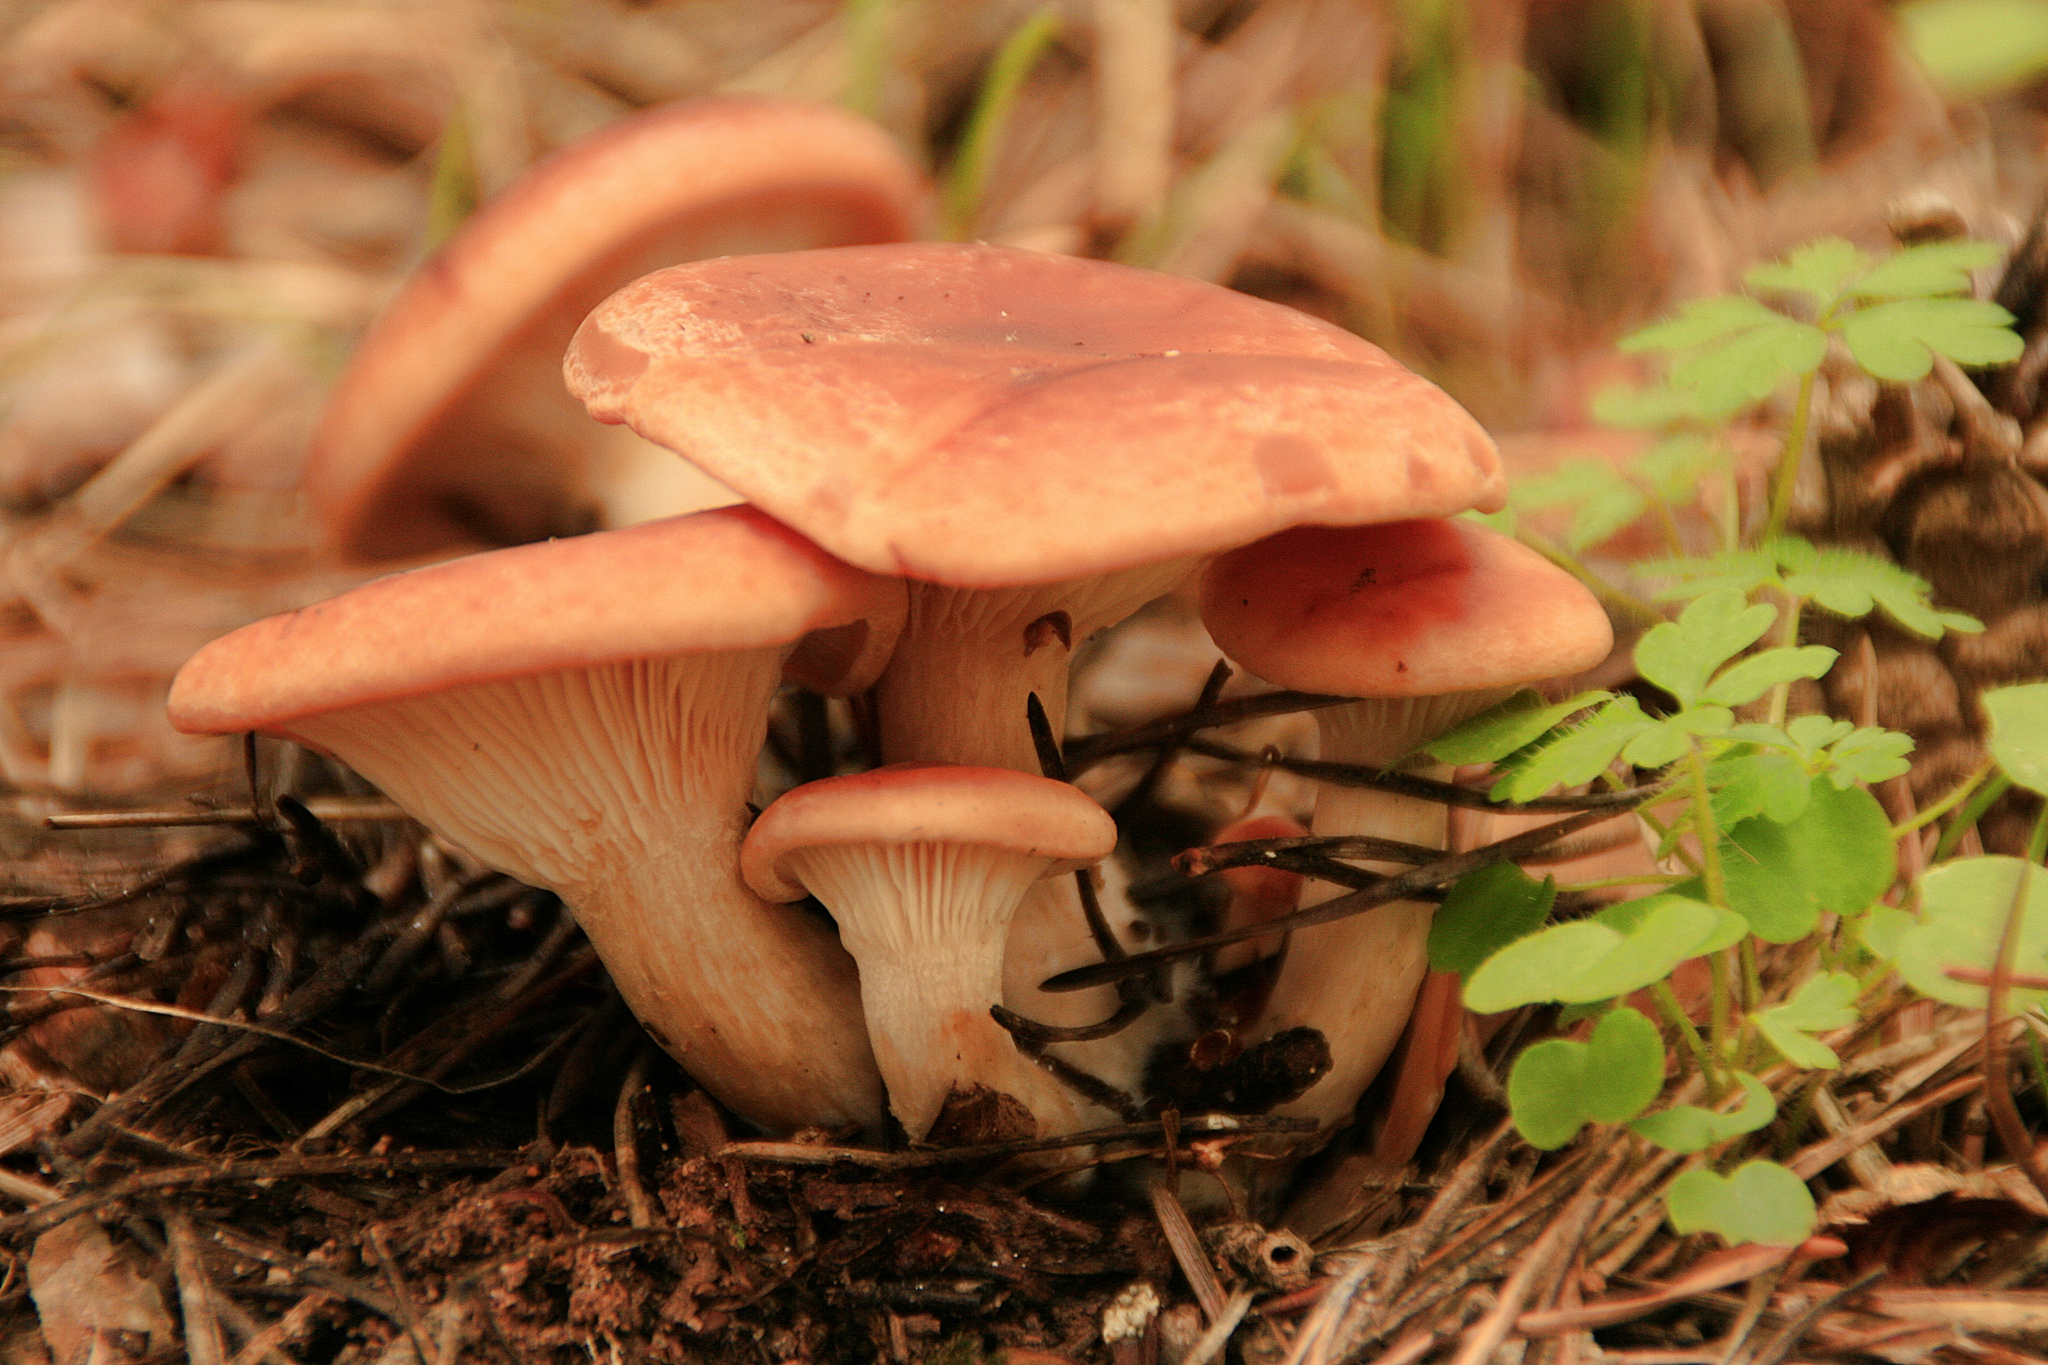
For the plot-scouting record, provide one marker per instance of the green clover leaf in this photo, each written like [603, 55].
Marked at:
[1592, 959]
[1899, 340]
[1558, 1087]
[1485, 911]
[1825, 1002]
[2019, 733]
[1761, 1202]
[1820, 270]
[1930, 268]
[1963, 907]
[1689, 1128]
[1836, 856]
[1680, 656]
[1578, 754]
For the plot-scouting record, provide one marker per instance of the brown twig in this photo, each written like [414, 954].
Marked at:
[1403, 887]
[626, 1143]
[1187, 1250]
[1429, 789]
[1086, 752]
[1998, 1105]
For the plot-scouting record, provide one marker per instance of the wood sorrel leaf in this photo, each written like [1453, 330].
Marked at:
[1690, 1128]
[1484, 912]
[1495, 733]
[1680, 656]
[2019, 733]
[1930, 268]
[1761, 1202]
[1559, 1086]
[1752, 677]
[1899, 340]
[1596, 959]
[1578, 754]
[1820, 270]
[1836, 856]
[1700, 321]
[1828, 1001]
[1963, 905]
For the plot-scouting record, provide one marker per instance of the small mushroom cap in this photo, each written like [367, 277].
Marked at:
[720, 580]
[451, 421]
[909, 803]
[894, 402]
[1413, 608]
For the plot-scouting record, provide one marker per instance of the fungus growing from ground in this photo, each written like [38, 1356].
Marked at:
[451, 428]
[1430, 623]
[1041, 443]
[587, 715]
[923, 865]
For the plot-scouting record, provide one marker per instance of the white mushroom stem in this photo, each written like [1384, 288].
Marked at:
[926, 922]
[623, 789]
[1355, 979]
[955, 691]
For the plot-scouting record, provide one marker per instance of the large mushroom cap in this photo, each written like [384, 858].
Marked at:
[726, 579]
[451, 426]
[1408, 609]
[895, 402]
[936, 803]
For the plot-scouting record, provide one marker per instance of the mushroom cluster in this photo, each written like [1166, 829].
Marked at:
[960, 461]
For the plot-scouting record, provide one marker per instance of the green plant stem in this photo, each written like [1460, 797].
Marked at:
[1615, 599]
[1675, 1017]
[1752, 976]
[1955, 798]
[867, 54]
[1663, 833]
[1781, 695]
[1718, 1023]
[1788, 464]
[1971, 813]
[1703, 822]
[1644, 879]
[968, 175]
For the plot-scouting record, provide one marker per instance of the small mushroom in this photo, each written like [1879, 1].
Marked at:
[450, 427]
[1430, 622]
[587, 715]
[922, 865]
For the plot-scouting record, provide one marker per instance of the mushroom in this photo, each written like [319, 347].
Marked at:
[450, 426]
[1042, 444]
[1430, 622]
[587, 715]
[922, 866]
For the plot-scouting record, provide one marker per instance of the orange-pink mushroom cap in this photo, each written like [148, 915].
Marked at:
[1408, 609]
[895, 403]
[450, 425]
[725, 579]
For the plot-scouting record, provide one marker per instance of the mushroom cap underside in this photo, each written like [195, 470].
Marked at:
[452, 406]
[917, 803]
[894, 403]
[728, 579]
[1411, 608]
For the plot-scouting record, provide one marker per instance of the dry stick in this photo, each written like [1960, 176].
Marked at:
[1754, 1301]
[1086, 752]
[1214, 1126]
[1212, 1342]
[1054, 765]
[1187, 1250]
[262, 1168]
[626, 1144]
[328, 809]
[1197, 862]
[323, 1278]
[1559, 1240]
[1428, 788]
[1821, 1155]
[1786, 1340]
[2005, 1117]
[268, 1343]
[203, 1342]
[408, 1311]
[1212, 688]
[1403, 887]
